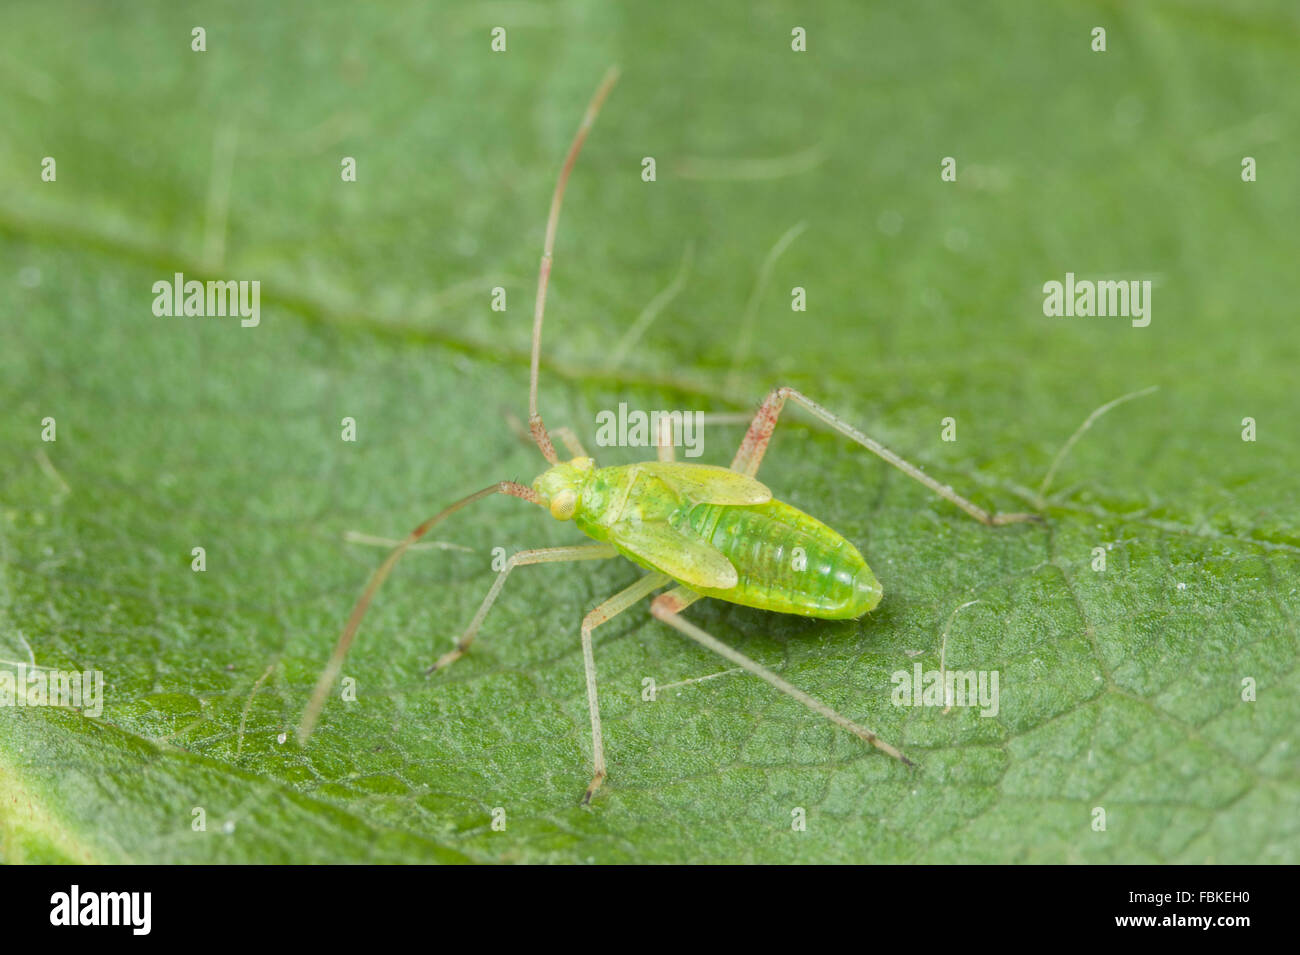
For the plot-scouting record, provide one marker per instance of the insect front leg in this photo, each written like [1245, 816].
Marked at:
[571, 442]
[548, 555]
[609, 609]
[335, 665]
[668, 607]
[752, 448]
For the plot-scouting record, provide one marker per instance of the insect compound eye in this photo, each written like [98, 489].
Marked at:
[563, 505]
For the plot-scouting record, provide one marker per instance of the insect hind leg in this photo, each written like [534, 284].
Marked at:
[750, 454]
[668, 607]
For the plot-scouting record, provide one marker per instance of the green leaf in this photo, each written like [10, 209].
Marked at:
[1120, 689]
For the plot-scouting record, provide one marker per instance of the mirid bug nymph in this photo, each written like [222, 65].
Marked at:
[710, 531]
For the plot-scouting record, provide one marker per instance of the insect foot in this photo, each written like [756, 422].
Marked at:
[591, 790]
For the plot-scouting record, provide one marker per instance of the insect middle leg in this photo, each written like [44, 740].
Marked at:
[548, 555]
[602, 614]
[752, 448]
[668, 607]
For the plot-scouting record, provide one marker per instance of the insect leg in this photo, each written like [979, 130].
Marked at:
[664, 440]
[571, 442]
[335, 664]
[752, 448]
[610, 608]
[548, 555]
[360, 537]
[668, 607]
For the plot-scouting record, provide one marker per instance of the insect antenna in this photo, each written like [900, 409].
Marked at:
[335, 665]
[535, 424]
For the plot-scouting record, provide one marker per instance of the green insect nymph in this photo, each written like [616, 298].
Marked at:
[699, 530]
[718, 532]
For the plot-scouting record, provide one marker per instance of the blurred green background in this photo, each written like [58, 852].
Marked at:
[1120, 689]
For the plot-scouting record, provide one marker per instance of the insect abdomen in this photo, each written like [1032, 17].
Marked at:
[787, 561]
